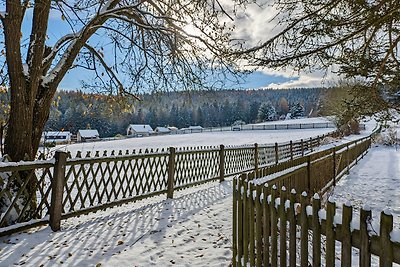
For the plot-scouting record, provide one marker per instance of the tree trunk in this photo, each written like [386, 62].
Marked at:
[21, 143]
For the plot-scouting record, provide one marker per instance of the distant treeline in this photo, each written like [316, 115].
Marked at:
[110, 115]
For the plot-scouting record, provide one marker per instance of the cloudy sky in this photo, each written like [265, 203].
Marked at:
[253, 25]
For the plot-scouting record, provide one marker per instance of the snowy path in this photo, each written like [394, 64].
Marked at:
[375, 181]
[193, 229]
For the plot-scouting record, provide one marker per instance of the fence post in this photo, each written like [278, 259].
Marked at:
[302, 147]
[221, 163]
[291, 150]
[276, 153]
[256, 159]
[309, 173]
[311, 144]
[171, 172]
[348, 159]
[57, 189]
[334, 165]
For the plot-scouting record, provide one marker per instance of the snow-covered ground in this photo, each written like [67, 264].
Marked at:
[374, 181]
[198, 139]
[194, 228]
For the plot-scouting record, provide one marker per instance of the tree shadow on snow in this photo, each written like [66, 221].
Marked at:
[92, 238]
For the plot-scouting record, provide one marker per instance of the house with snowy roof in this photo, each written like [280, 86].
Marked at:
[87, 135]
[139, 130]
[53, 137]
[162, 130]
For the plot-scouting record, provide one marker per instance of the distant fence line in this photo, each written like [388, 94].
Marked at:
[246, 127]
[271, 126]
[272, 226]
[64, 187]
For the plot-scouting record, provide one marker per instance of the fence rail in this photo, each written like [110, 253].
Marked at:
[272, 226]
[94, 182]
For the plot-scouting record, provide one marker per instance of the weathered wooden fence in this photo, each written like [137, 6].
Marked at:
[272, 226]
[63, 187]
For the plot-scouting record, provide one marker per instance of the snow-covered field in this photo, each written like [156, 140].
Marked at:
[194, 228]
[198, 139]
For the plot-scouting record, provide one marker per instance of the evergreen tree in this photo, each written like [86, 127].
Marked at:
[266, 112]
[296, 111]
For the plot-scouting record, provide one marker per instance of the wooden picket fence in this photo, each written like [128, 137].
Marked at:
[272, 226]
[63, 186]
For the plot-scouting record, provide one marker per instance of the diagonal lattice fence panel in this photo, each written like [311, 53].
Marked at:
[25, 190]
[196, 166]
[92, 182]
[239, 159]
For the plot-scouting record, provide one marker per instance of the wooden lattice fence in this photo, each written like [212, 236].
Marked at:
[272, 226]
[64, 186]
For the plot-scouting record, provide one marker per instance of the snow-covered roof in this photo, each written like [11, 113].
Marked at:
[140, 128]
[162, 130]
[66, 133]
[88, 133]
[173, 128]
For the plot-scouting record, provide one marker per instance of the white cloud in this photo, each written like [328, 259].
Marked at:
[255, 27]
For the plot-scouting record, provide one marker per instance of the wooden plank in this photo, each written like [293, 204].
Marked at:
[245, 224]
[266, 227]
[346, 235]
[274, 229]
[240, 221]
[309, 174]
[221, 163]
[234, 220]
[365, 253]
[316, 206]
[256, 157]
[26, 166]
[259, 215]
[292, 229]
[171, 172]
[282, 229]
[57, 190]
[304, 231]
[330, 234]
[386, 227]
[251, 222]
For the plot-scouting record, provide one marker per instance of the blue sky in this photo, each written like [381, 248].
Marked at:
[72, 81]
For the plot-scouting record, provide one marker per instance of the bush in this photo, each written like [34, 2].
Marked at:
[387, 137]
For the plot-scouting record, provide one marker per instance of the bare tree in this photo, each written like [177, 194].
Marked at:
[150, 44]
[361, 38]
[130, 45]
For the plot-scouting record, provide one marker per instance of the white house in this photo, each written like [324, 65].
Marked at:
[192, 129]
[56, 137]
[87, 135]
[162, 130]
[139, 130]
